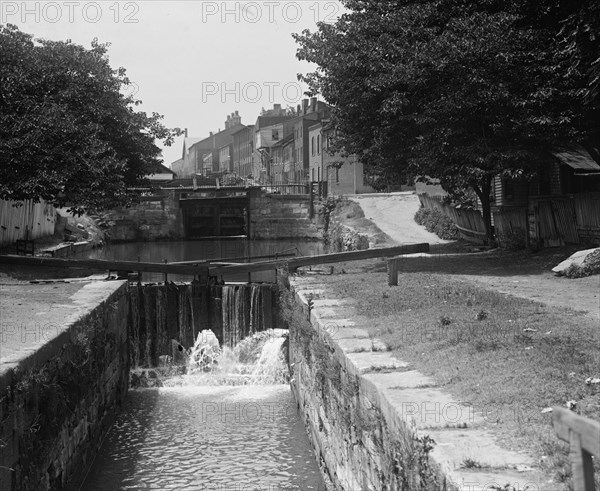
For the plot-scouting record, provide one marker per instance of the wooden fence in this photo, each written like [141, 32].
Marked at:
[587, 213]
[469, 223]
[510, 225]
[567, 218]
[29, 220]
[556, 219]
[583, 436]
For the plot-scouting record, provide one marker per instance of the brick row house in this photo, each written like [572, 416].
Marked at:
[284, 146]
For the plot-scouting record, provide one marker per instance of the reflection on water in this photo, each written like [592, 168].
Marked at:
[207, 438]
[238, 250]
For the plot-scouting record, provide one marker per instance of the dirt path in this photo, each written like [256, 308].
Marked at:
[393, 213]
[522, 274]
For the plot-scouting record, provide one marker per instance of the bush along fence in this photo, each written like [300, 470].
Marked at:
[546, 221]
[469, 223]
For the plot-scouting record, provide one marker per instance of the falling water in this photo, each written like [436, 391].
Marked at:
[257, 360]
[214, 412]
[229, 422]
[246, 309]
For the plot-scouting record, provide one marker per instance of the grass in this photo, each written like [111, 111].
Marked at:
[509, 357]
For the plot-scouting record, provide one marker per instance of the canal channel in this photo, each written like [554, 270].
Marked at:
[232, 426]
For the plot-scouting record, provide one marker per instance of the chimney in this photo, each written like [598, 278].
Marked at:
[186, 133]
[304, 106]
[313, 104]
[211, 133]
[228, 121]
[277, 109]
[298, 109]
[235, 119]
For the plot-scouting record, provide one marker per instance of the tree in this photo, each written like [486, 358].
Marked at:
[67, 133]
[458, 90]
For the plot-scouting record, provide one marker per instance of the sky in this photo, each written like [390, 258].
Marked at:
[193, 61]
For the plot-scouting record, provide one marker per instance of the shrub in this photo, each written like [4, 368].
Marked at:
[513, 240]
[438, 223]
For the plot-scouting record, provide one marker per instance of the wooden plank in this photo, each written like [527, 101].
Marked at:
[564, 420]
[339, 257]
[102, 265]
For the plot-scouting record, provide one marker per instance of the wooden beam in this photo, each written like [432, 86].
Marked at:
[392, 271]
[583, 436]
[235, 260]
[102, 265]
[564, 420]
[339, 257]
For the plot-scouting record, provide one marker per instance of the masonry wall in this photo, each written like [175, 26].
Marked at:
[374, 421]
[155, 218]
[57, 403]
[359, 445]
[275, 216]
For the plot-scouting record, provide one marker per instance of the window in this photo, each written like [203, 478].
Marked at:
[318, 145]
[312, 146]
[275, 135]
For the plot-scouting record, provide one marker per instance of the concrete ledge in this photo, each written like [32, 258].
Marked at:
[30, 346]
[406, 406]
[61, 385]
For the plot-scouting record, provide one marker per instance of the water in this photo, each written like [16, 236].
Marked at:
[202, 433]
[237, 249]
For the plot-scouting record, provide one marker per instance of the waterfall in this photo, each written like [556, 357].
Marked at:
[161, 314]
[257, 360]
[246, 309]
[271, 364]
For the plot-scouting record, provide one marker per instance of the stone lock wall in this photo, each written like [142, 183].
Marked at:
[275, 216]
[358, 445]
[58, 402]
[154, 218]
[374, 421]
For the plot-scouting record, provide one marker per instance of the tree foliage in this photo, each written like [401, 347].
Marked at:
[68, 134]
[453, 89]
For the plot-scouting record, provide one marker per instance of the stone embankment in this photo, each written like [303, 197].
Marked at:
[274, 216]
[63, 376]
[375, 422]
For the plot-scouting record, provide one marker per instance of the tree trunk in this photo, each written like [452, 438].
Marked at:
[483, 189]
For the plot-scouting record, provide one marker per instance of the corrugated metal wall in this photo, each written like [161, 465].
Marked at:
[29, 220]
